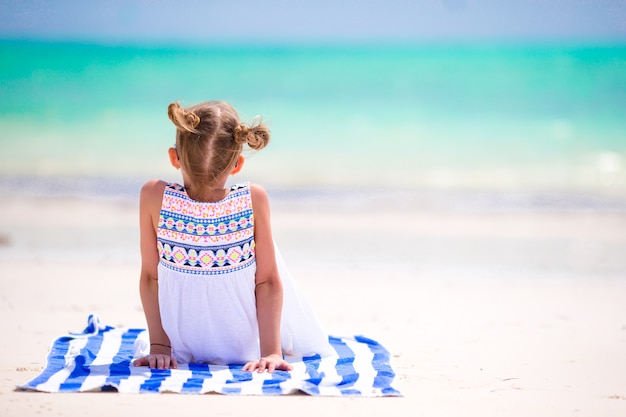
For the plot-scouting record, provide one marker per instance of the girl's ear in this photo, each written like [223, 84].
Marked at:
[174, 160]
[238, 165]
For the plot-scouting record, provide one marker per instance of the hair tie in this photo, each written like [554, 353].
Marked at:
[240, 133]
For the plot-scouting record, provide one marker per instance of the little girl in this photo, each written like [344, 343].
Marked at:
[212, 284]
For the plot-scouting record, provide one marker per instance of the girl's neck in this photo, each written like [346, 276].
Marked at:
[206, 194]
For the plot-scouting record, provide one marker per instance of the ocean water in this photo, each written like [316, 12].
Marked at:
[504, 118]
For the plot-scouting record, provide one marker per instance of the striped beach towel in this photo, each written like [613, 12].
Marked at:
[100, 359]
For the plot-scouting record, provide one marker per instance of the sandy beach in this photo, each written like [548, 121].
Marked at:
[485, 313]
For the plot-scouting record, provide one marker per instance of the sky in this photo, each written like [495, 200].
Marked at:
[205, 21]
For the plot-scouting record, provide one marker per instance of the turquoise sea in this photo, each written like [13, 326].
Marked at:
[531, 118]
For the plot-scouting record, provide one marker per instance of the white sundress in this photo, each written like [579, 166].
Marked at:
[206, 278]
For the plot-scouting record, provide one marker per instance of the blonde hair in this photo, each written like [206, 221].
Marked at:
[210, 138]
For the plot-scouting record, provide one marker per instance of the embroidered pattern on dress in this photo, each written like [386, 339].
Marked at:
[206, 238]
[219, 260]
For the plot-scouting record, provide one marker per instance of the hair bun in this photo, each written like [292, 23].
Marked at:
[183, 119]
[256, 137]
[259, 138]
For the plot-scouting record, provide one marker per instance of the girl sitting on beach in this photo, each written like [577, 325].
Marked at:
[213, 286]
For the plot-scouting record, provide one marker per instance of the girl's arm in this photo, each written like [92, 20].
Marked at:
[149, 209]
[269, 289]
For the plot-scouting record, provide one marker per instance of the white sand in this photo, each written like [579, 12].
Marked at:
[519, 314]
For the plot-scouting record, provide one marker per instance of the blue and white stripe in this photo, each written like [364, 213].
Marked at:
[100, 359]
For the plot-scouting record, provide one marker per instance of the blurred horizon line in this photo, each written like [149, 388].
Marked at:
[374, 43]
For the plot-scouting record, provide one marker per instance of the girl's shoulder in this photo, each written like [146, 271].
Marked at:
[154, 185]
[153, 190]
[257, 191]
[260, 199]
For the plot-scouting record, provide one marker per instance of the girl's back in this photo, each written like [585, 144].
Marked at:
[207, 276]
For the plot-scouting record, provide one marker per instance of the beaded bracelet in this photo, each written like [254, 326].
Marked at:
[160, 344]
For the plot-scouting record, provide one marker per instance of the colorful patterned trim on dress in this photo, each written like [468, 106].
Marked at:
[176, 200]
[225, 230]
[186, 239]
[207, 261]
[206, 238]
[192, 225]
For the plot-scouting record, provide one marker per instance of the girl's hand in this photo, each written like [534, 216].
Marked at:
[269, 363]
[159, 358]
[157, 361]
